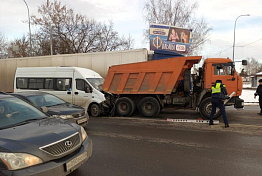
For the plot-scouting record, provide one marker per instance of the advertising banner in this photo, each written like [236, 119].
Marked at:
[170, 38]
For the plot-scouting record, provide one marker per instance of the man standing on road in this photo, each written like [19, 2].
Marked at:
[259, 93]
[219, 94]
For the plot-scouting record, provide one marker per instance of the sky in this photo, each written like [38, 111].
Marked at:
[128, 19]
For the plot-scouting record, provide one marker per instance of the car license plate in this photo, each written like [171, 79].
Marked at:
[81, 121]
[76, 161]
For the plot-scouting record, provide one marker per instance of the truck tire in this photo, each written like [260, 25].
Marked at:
[206, 107]
[125, 106]
[149, 107]
[95, 110]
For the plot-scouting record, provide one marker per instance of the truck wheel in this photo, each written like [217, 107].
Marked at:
[125, 106]
[206, 107]
[149, 107]
[95, 110]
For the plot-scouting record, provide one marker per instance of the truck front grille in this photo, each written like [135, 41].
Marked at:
[62, 146]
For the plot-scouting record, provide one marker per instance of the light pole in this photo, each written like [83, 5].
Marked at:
[51, 39]
[29, 29]
[235, 35]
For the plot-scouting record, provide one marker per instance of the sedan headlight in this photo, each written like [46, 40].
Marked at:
[83, 134]
[63, 116]
[16, 161]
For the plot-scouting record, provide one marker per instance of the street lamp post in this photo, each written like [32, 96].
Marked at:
[235, 35]
[29, 28]
[51, 39]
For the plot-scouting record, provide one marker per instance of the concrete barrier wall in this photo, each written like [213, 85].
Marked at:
[99, 62]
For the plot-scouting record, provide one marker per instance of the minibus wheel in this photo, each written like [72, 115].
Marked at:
[95, 110]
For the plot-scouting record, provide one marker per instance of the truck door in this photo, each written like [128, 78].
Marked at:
[226, 73]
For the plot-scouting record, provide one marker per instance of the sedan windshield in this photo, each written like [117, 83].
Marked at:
[45, 100]
[96, 82]
[14, 111]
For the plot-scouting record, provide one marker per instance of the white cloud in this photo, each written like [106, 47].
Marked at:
[229, 9]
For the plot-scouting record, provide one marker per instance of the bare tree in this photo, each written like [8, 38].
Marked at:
[3, 46]
[74, 33]
[181, 14]
[23, 48]
[109, 39]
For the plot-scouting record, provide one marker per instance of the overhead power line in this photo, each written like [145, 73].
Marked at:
[251, 43]
[237, 46]
[222, 51]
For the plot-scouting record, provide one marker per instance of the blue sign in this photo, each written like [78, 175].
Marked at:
[170, 38]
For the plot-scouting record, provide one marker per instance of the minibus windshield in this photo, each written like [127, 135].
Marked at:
[96, 82]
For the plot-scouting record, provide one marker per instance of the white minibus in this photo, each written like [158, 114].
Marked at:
[75, 85]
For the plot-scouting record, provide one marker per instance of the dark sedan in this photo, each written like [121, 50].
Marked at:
[33, 143]
[55, 106]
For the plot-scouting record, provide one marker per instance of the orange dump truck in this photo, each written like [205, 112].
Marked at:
[153, 85]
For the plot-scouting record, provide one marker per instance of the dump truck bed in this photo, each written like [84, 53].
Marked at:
[151, 77]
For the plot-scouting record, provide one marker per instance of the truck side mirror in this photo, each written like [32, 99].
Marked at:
[233, 71]
[244, 62]
[200, 72]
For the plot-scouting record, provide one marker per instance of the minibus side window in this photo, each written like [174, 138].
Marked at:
[49, 83]
[21, 83]
[36, 83]
[63, 84]
[59, 84]
[82, 85]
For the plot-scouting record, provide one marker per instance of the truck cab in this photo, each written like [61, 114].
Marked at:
[219, 69]
[222, 69]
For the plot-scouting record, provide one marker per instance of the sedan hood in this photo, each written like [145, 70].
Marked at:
[64, 109]
[29, 137]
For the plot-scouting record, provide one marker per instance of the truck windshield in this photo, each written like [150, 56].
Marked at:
[96, 82]
[45, 100]
[226, 70]
[14, 111]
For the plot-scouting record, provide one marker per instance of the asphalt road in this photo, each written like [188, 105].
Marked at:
[139, 146]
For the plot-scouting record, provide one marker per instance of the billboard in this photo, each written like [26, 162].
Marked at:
[170, 38]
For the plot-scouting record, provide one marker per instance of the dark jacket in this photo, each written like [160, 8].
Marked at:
[259, 91]
[223, 93]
